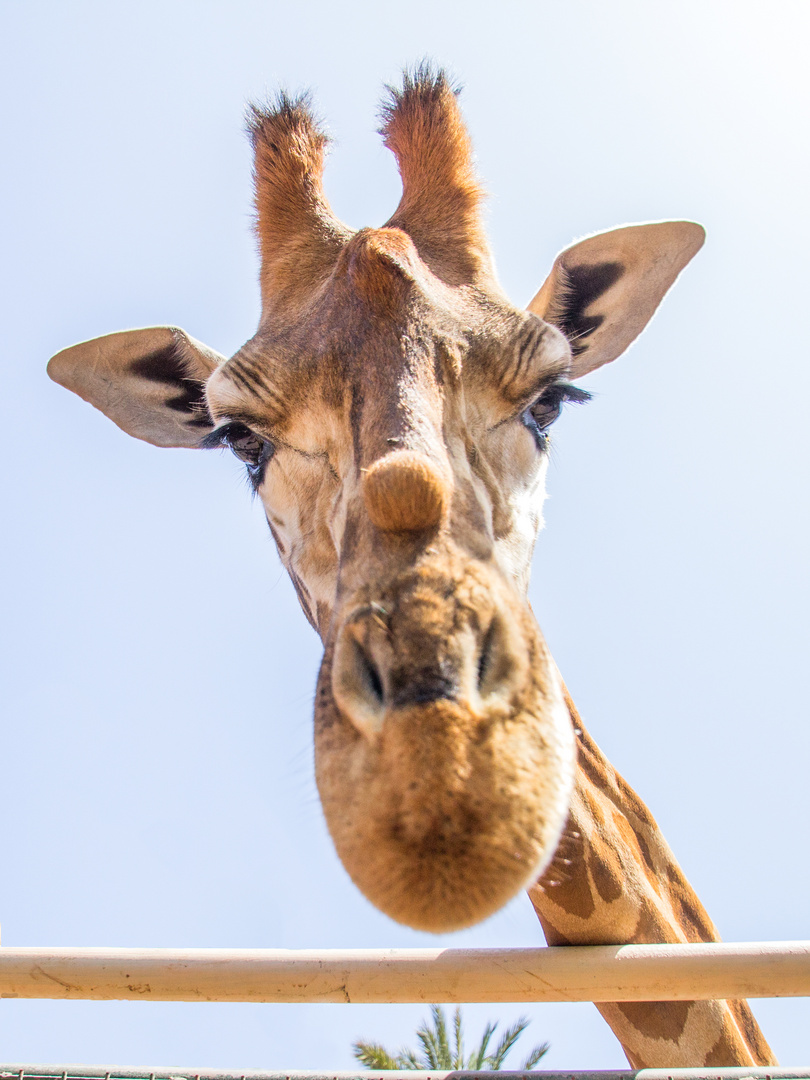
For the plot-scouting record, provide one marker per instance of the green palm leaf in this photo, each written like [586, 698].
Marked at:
[534, 1056]
[508, 1040]
[458, 1037]
[436, 1052]
[477, 1061]
[373, 1056]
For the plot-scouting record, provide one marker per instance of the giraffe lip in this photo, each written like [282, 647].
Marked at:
[441, 820]
[444, 757]
[444, 753]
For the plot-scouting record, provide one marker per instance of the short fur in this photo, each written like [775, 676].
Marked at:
[441, 193]
[399, 407]
[298, 234]
[403, 492]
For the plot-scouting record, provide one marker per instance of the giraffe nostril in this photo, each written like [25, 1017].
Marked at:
[369, 675]
[485, 656]
[496, 660]
[357, 684]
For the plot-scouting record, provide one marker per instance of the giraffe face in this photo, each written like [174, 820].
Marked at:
[392, 410]
[400, 459]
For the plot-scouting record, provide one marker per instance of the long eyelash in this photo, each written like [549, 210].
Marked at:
[255, 474]
[252, 482]
[218, 438]
[557, 393]
[553, 398]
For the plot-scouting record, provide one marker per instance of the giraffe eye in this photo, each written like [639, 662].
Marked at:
[246, 444]
[539, 417]
[546, 410]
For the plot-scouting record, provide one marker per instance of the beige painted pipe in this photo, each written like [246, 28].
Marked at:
[579, 973]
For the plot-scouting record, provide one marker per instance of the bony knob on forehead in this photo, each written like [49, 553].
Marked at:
[405, 492]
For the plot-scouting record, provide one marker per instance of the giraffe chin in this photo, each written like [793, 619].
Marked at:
[444, 798]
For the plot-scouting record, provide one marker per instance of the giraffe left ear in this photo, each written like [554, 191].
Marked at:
[603, 291]
[150, 382]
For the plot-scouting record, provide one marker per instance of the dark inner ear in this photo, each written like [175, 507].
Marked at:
[584, 285]
[169, 368]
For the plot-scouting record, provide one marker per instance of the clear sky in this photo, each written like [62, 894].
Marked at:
[157, 673]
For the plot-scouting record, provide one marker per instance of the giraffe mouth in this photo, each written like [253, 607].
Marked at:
[444, 750]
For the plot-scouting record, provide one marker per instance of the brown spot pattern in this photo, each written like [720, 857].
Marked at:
[657, 1019]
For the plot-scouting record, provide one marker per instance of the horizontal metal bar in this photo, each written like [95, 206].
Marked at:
[101, 1072]
[581, 973]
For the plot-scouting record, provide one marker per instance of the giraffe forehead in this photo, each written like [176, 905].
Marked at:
[338, 361]
[383, 330]
[386, 388]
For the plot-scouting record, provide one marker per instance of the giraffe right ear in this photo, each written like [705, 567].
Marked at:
[604, 290]
[150, 382]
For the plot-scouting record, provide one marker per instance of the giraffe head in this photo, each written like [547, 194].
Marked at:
[392, 410]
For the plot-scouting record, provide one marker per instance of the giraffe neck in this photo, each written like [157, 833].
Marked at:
[614, 880]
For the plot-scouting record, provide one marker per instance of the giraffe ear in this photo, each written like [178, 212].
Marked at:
[603, 291]
[150, 382]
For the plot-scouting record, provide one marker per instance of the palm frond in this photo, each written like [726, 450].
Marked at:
[508, 1040]
[458, 1037]
[440, 1026]
[534, 1056]
[373, 1056]
[430, 1044]
[437, 1053]
[480, 1056]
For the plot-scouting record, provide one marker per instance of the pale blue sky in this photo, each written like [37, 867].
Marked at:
[157, 673]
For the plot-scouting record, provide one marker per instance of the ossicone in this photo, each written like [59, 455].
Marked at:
[299, 236]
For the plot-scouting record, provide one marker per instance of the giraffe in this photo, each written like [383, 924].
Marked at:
[393, 412]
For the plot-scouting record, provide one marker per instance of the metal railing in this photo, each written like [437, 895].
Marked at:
[100, 1072]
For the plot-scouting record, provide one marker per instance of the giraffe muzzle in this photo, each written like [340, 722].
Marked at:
[444, 751]
[377, 671]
